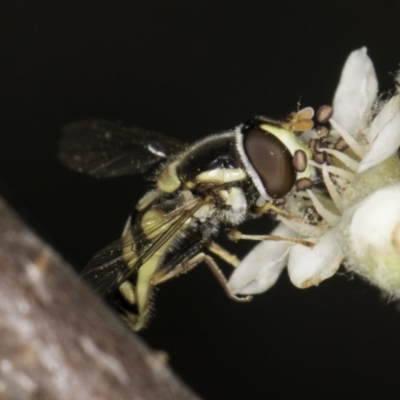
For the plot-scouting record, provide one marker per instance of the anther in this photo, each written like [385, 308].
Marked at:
[299, 161]
[303, 184]
[324, 113]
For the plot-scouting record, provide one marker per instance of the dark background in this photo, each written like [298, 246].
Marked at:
[190, 68]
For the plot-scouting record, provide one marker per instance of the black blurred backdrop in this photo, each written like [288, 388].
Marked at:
[190, 68]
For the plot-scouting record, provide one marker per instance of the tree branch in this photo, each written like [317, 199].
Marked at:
[58, 340]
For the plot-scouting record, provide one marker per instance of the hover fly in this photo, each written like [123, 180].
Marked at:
[221, 180]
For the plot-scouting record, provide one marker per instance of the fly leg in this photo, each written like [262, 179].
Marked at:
[270, 207]
[235, 235]
[223, 254]
[160, 276]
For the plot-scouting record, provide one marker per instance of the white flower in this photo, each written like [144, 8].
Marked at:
[360, 209]
[372, 239]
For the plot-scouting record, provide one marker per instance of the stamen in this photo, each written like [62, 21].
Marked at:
[328, 216]
[346, 160]
[349, 139]
[335, 196]
[342, 173]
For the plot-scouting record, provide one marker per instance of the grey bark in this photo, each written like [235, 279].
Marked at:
[58, 340]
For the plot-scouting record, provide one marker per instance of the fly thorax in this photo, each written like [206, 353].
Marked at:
[209, 228]
[235, 205]
[212, 161]
[168, 180]
[205, 212]
[148, 199]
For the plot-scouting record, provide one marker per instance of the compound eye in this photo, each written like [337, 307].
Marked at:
[271, 160]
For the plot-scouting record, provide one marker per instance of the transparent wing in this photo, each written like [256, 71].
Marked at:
[109, 268]
[105, 149]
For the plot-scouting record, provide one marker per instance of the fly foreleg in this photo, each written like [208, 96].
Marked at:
[236, 235]
[160, 277]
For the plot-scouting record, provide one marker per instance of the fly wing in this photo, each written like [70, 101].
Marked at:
[105, 268]
[109, 268]
[104, 149]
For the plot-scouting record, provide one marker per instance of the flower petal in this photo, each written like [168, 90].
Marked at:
[356, 92]
[261, 268]
[374, 239]
[384, 135]
[310, 266]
